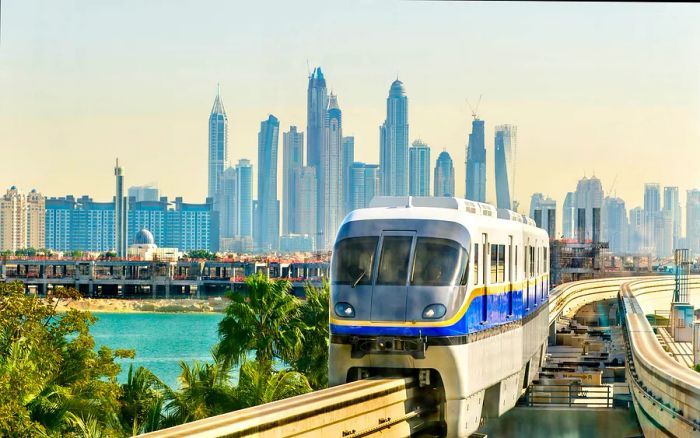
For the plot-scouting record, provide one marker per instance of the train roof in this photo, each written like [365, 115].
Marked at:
[438, 208]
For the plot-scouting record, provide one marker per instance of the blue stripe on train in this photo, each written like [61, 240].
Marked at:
[497, 310]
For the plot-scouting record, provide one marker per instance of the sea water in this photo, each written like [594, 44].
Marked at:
[160, 340]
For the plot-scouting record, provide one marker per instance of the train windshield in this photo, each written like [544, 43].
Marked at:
[393, 264]
[438, 262]
[353, 259]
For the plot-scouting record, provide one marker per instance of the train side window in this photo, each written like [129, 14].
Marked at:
[532, 261]
[546, 262]
[476, 263]
[501, 263]
[494, 264]
[515, 264]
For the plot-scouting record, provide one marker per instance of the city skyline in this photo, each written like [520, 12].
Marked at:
[657, 110]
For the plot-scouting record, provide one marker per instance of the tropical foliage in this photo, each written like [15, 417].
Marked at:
[53, 382]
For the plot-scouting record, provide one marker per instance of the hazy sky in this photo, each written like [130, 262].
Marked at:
[610, 89]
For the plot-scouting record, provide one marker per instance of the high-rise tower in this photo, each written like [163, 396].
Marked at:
[444, 184]
[504, 163]
[393, 158]
[419, 169]
[292, 162]
[120, 213]
[218, 144]
[316, 106]
[476, 163]
[267, 214]
[330, 182]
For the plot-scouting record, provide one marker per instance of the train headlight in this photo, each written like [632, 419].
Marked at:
[434, 311]
[345, 310]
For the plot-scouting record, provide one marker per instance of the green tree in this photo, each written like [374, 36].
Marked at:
[141, 401]
[205, 391]
[50, 374]
[257, 385]
[312, 359]
[265, 320]
[201, 254]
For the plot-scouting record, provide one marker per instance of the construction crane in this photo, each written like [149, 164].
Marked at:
[474, 110]
[612, 186]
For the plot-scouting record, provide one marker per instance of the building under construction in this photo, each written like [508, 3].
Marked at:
[587, 257]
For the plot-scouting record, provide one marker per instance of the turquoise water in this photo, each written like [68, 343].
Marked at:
[161, 340]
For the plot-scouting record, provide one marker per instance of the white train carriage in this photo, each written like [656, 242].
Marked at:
[448, 289]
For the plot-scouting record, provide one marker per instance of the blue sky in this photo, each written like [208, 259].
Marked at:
[607, 88]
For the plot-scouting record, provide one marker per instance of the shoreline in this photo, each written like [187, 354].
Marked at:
[116, 305]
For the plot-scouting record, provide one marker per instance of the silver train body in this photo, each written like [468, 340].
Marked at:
[450, 290]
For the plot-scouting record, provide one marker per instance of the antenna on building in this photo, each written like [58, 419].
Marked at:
[475, 110]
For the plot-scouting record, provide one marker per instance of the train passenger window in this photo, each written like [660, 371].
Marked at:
[515, 264]
[494, 264]
[393, 262]
[501, 271]
[546, 262]
[438, 262]
[476, 263]
[532, 261]
[352, 260]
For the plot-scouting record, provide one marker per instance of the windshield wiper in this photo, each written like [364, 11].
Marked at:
[359, 278]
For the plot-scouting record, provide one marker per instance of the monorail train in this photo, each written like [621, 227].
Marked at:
[446, 289]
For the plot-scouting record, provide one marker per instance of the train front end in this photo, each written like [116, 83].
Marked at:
[398, 298]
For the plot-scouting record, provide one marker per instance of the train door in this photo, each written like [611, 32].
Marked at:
[485, 276]
[390, 287]
[511, 278]
[526, 269]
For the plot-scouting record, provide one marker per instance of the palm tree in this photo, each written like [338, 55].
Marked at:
[265, 320]
[258, 385]
[204, 391]
[312, 359]
[141, 401]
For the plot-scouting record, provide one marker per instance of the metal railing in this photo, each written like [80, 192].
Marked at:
[573, 395]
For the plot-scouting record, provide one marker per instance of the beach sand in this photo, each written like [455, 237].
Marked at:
[128, 306]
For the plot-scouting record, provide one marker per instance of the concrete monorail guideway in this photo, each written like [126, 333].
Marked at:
[665, 391]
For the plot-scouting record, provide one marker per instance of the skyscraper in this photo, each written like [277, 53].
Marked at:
[120, 213]
[348, 157]
[331, 183]
[444, 184]
[22, 220]
[393, 141]
[316, 106]
[652, 207]
[672, 204]
[615, 228]
[244, 183]
[227, 204]
[504, 162]
[364, 184]
[267, 214]
[692, 220]
[419, 169]
[292, 162]
[543, 210]
[569, 216]
[306, 212]
[476, 163]
[36, 220]
[589, 201]
[218, 144]
[635, 234]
